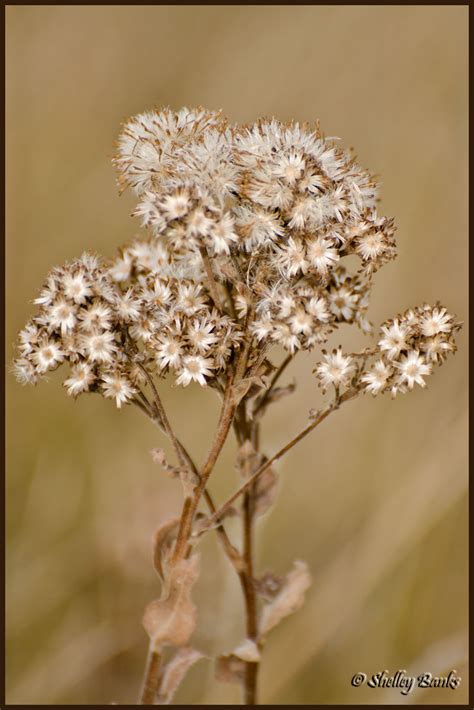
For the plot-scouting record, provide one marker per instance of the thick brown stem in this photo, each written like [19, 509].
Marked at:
[181, 548]
[187, 517]
[186, 461]
[247, 430]
[151, 678]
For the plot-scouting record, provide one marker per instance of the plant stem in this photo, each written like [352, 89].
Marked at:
[151, 678]
[251, 669]
[188, 513]
[225, 422]
[249, 483]
[151, 681]
[248, 430]
[186, 461]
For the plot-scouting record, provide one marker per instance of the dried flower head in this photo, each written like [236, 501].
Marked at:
[410, 345]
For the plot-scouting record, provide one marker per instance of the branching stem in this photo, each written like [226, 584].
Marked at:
[186, 461]
[350, 394]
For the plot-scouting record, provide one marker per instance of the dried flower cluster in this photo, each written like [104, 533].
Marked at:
[410, 345]
[248, 230]
[257, 236]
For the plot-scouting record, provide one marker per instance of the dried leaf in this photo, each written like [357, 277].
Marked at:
[172, 619]
[175, 671]
[246, 455]
[278, 393]
[258, 384]
[266, 368]
[229, 669]
[202, 522]
[163, 540]
[268, 585]
[189, 481]
[289, 599]
[265, 488]
[247, 651]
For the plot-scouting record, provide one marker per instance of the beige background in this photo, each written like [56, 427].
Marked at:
[375, 501]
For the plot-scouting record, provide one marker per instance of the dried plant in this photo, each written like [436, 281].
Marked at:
[252, 236]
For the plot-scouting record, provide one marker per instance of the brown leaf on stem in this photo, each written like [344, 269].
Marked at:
[246, 458]
[247, 651]
[172, 619]
[268, 585]
[175, 671]
[230, 668]
[278, 393]
[288, 600]
[163, 541]
[189, 481]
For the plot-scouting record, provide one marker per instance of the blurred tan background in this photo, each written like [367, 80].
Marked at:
[376, 500]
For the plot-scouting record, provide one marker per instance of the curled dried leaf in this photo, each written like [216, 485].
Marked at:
[175, 671]
[247, 651]
[172, 619]
[230, 668]
[163, 541]
[268, 585]
[288, 600]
